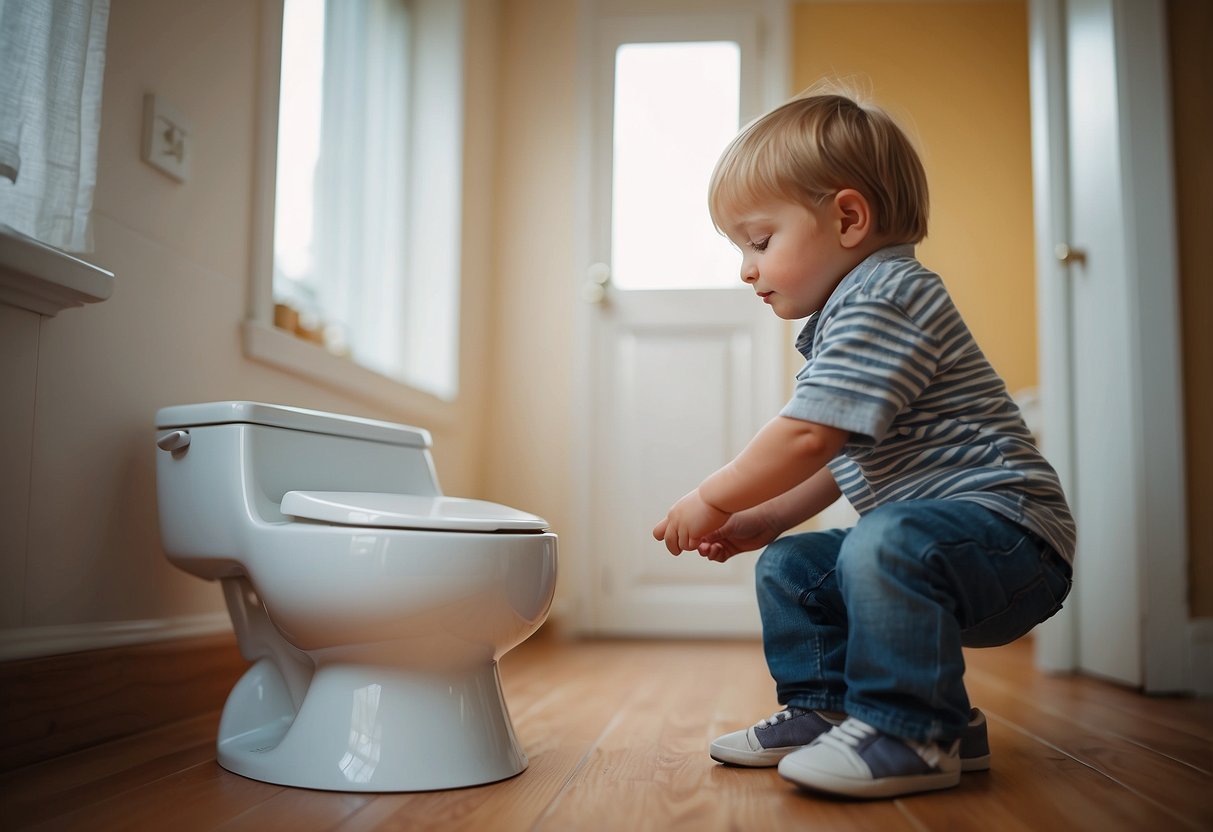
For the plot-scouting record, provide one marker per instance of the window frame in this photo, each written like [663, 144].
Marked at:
[264, 342]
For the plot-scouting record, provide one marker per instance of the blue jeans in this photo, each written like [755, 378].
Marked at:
[871, 620]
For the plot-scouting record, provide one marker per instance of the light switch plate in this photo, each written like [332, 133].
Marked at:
[166, 139]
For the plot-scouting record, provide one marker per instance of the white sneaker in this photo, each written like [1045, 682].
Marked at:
[856, 760]
[769, 740]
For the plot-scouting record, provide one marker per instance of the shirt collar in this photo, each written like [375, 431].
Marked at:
[804, 341]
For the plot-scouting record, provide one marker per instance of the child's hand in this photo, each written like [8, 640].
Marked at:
[745, 531]
[687, 522]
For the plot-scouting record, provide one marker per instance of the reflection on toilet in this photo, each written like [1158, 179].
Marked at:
[358, 764]
[373, 608]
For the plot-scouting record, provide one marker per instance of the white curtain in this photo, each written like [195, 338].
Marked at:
[52, 58]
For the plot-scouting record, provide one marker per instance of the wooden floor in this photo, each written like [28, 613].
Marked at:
[617, 735]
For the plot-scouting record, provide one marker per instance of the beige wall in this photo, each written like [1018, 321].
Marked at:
[81, 389]
[955, 75]
[531, 414]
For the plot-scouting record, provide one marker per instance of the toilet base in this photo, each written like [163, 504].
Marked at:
[371, 729]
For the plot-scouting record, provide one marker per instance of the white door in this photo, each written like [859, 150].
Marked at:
[1109, 334]
[684, 363]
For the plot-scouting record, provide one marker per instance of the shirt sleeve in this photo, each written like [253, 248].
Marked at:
[871, 363]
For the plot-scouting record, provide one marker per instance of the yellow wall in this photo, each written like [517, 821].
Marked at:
[1191, 27]
[955, 75]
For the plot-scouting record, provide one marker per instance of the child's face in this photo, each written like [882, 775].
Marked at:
[793, 256]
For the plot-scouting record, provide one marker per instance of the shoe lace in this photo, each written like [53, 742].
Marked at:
[853, 731]
[847, 735]
[776, 718]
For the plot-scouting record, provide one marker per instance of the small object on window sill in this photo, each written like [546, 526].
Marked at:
[316, 335]
[309, 327]
[335, 341]
[286, 317]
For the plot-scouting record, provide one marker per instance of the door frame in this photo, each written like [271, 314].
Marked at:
[774, 38]
[1153, 460]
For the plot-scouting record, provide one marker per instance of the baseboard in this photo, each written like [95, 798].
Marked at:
[54, 705]
[1200, 655]
[33, 642]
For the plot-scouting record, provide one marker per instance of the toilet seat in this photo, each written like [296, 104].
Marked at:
[408, 511]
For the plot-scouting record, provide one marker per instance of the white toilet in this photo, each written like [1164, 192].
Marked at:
[373, 608]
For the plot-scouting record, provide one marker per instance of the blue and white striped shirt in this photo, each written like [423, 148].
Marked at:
[890, 361]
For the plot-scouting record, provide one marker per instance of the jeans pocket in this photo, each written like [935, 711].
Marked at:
[1031, 605]
[1058, 575]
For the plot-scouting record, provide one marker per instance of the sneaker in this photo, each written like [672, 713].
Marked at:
[856, 760]
[787, 731]
[768, 741]
[975, 744]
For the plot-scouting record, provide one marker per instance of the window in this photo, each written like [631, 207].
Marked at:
[359, 222]
[676, 108]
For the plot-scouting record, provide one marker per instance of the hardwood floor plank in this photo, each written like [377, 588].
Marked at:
[200, 797]
[298, 810]
[1106, 707]
[79, 780]
[651, 769]
[1033, 786]
[1013, 664]
[746, 695]
[1177, 789]
[617, 735]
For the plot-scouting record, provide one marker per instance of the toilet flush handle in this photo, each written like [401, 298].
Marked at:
[177, 440]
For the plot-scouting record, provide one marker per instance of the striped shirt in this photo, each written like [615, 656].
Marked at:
[890, 361]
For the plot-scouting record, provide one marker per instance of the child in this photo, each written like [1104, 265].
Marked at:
[964, 536]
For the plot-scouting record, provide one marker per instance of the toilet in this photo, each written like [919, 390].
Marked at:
[373, 608]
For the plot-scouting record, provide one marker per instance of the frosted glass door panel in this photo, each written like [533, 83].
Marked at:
[676, 108]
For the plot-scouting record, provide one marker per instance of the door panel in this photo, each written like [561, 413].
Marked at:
[685, 364]
[679, 397]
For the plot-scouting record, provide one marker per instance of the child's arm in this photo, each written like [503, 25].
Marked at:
[754, 528]
[781, 456]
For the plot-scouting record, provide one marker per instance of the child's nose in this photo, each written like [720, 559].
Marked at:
[749, 272]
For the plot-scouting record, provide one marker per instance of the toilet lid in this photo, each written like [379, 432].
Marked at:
[408, 511]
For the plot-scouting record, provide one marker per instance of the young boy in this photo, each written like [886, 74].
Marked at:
[964, 536]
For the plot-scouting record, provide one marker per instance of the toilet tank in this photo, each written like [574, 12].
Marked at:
[239, 458]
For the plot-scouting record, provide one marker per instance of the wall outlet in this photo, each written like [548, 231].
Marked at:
[166, 139]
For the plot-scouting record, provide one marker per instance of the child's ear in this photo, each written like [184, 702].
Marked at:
[854, 217]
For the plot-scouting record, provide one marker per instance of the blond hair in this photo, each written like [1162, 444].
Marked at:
[816, 145]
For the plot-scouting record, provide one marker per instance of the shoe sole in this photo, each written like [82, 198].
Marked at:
[749, 759]
[831, 784]
[770, 759]
[971, 764]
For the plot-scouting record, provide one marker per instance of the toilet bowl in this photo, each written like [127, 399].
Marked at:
[372, 607]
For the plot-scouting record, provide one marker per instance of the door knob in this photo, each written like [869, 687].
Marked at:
[1068, 255]
[598, 278]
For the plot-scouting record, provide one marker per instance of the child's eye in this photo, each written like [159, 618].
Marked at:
[759, 245]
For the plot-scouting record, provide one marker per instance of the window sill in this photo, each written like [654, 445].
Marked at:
[279, 349]
[45, 280]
